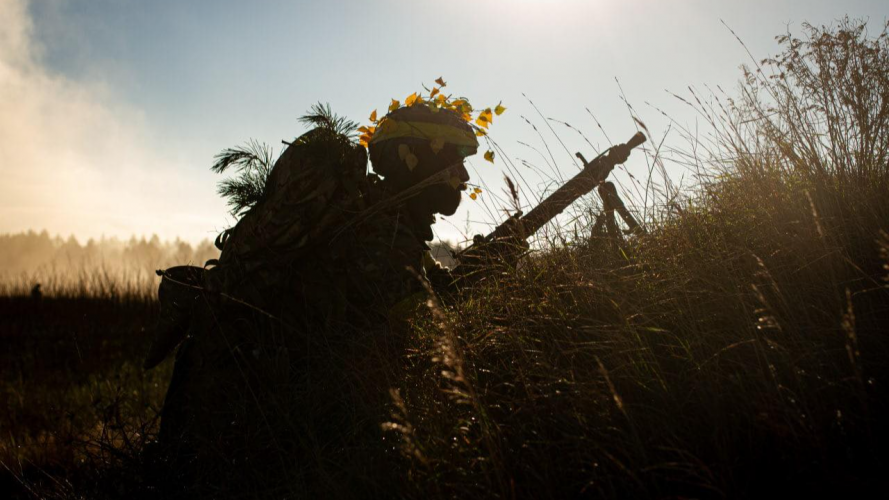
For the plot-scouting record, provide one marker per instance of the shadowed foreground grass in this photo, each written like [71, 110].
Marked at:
[75, 401]
[739, 349]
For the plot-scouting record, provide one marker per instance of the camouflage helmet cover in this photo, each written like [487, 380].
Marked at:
[433, 135]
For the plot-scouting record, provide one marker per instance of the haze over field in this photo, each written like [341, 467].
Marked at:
[111, 111]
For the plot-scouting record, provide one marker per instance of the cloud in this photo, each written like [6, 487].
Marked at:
[76, 158]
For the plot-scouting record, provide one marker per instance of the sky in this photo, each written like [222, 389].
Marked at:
[111, 110]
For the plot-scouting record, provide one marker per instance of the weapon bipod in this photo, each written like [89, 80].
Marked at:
[606, 222]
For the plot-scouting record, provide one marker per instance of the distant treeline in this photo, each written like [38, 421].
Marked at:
[31, 252]
[62, 263]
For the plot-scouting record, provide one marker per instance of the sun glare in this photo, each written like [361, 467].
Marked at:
[588, 12]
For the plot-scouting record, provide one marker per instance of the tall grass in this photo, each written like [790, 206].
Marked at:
[737, 350]
[96, 282]
[76, 408]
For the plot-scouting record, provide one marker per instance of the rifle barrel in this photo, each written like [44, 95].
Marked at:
[592, 175]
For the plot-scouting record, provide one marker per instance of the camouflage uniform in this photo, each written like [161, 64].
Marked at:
[327, 343]
[291, 336]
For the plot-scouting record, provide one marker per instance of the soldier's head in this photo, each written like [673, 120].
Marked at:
[418, 145]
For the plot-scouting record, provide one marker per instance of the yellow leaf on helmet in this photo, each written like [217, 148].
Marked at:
[411, 160]
[434, 91]
[477, 190]
[485, 118]
[467, 117]
[436, 144]
[411, 99]
[440, 82]
[481, 132]
[403, 151]
[499, 109]
[364, 129]
[373, 116]
[473, 195]
[489, 156]
[440, 99]
[394, 105]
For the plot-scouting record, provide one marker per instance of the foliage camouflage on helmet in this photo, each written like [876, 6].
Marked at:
[410, 133]
[393, 125]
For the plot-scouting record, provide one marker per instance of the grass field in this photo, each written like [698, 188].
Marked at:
[738, 350]
[72, 387]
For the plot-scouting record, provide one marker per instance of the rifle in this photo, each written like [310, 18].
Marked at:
[509, 237]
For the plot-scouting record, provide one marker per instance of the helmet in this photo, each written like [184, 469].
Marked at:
[420, 140]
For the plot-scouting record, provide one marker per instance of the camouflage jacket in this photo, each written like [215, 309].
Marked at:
[363, 272]
[374, 271]
[321, 248]
[311, 291]
[324, 341]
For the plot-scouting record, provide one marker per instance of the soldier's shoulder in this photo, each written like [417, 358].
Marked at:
[392, 230]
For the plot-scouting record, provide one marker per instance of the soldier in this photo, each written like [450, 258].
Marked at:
[282, 379]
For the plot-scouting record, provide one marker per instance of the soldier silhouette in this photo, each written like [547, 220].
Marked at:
[290, 343]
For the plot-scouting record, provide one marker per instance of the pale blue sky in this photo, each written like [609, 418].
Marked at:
[129, 100]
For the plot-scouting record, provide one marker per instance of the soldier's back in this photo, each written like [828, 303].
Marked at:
[288, 383]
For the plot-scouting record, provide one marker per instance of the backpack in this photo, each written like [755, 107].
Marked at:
[318, 184]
